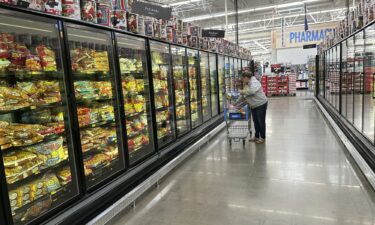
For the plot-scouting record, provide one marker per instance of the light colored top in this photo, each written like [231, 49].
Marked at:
[254, 94]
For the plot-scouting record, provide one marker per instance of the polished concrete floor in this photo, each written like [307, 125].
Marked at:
[301, 176]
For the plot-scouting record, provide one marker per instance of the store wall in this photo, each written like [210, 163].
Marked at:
[294, 55]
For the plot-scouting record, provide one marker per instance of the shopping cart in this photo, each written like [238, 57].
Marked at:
[238, 119]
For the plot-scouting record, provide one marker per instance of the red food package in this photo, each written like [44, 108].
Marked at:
[6, 38]
[83, 111]
[4, 51]
[89, 11]
[47, 58]
[103, 15]
[32, 63]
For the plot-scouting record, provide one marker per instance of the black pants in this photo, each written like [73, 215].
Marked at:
[259, 118]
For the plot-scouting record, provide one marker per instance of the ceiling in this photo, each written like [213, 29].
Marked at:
[257, 18]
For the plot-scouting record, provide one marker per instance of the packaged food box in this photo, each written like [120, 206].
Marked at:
[53, 7]
[103, 14]
[71, 9]
[89, 11]
[133, 22]
[119, 20]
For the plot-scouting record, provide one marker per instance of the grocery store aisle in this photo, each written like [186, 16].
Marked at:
[301, 176]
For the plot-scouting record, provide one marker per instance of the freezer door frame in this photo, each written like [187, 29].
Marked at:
[75, 123]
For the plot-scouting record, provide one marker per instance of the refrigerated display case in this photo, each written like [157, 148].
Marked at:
[214, 85]
[221, 78]
[36, 135]
[91, 66]
[135, 85]
[228, 75]
[205, 85]
[194, 86]
[181, 89]
[164, 110]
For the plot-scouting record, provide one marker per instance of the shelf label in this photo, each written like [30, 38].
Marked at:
[151, 10]
[213, 33]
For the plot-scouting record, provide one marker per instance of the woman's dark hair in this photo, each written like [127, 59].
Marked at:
[247, 74]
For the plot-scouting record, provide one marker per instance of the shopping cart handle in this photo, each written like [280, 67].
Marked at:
[247, 112]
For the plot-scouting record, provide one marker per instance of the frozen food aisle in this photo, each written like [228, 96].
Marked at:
[302, 175]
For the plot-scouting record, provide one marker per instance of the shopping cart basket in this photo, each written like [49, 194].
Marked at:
[238, 122]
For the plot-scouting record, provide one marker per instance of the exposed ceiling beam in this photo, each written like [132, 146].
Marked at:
[261, 46]
[265, 8]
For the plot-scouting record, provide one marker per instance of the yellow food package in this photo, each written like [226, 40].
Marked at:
[37, 189]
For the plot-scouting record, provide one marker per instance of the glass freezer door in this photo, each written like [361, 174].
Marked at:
[221, 76]
[205, 86]
[161, 72]
[214, 83]
[181, 91]
[135, 89]
[228, 76]
[35, 132]
[94, 90]
[195, 102]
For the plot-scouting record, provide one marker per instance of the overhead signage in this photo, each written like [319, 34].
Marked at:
[276, 68]
[297, 37]
[213, 33]
[309, 35]
[309, 46]
[151, 10]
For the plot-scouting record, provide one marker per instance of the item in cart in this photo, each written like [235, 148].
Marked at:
[53, 7]
[119, 20]
[89, 11]
[103, 15]
[71, 9]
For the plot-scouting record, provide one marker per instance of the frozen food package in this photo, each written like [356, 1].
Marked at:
[51, 182]
[119, 20]
[47, 57]
[104, 14]
[71, 9]
[53, 7]
[14, 174]
[38, 208]
[89, 11]
[64, 175]
[18, 158]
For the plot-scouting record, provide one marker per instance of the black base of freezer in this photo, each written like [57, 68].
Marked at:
[94, 203]
[363, 146]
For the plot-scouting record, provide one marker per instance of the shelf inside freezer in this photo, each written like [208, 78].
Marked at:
[31, 76]
[36, 174]
[31, 108]
[95, 76]
[98, 124]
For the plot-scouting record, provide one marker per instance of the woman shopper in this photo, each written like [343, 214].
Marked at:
[258, 102]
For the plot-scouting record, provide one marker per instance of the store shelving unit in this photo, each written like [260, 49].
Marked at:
[94, 111]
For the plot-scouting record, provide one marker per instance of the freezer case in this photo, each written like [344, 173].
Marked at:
[162, 81]
[136, 96]
[194, 85]
[228, 76]
[35, 133]
[94, 91]
[214, 85]
[205, 85]
[221, 78]
[181, 91]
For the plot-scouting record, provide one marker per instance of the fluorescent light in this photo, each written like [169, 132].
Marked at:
[205, 17]
[181, 3]
[279, 17]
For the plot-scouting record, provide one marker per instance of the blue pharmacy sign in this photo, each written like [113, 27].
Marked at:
[309, 35]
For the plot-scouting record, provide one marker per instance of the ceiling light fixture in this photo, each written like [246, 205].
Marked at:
[181, 3]
[205, 17]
